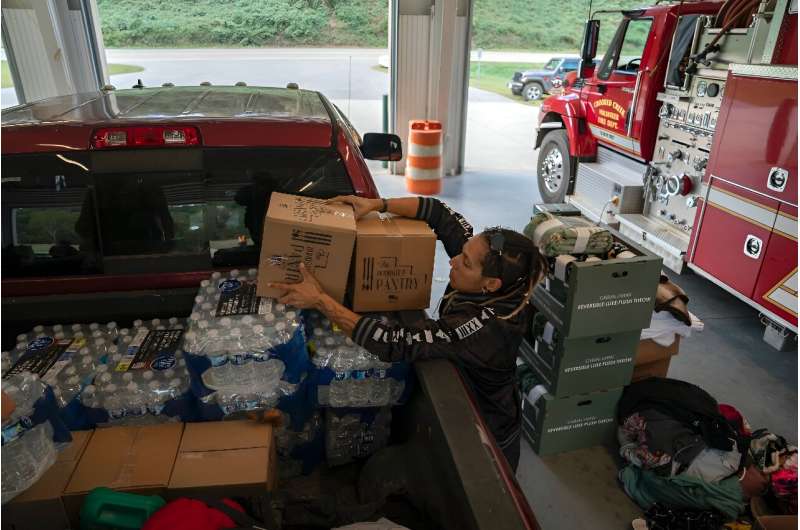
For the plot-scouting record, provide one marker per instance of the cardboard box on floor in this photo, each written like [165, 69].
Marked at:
[306, 230]
[230, 458]
[393, 265]
[131, 459]
[652, 359]
[40, 507]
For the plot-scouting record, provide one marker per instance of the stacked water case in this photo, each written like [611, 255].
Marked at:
[356, 388]
[65, 357]
[32, 434]
[144, 379]
[244, 352]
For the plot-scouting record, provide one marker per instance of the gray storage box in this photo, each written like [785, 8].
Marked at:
[554, 425]
[602, 297]
[576, 366]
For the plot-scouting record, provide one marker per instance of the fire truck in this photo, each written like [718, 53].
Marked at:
[684, 137]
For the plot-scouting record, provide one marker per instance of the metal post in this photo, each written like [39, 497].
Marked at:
[385, 100]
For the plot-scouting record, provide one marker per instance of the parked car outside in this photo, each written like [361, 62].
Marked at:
[534, 84]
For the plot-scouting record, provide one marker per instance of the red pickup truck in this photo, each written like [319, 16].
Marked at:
[116, 204]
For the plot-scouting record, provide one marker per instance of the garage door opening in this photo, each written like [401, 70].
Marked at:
[518, 49]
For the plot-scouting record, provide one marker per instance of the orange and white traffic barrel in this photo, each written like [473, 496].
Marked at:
[424, 163]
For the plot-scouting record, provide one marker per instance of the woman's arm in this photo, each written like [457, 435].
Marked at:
[390, 342]
[450, 226]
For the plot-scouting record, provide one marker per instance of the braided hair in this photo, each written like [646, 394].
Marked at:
[516, 261]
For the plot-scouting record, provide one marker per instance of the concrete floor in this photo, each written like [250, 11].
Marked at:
[579, 489]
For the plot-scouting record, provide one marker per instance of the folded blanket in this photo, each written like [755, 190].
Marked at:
[567, 235]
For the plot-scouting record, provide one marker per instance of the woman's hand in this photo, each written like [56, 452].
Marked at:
[361, 205]
[306, 294]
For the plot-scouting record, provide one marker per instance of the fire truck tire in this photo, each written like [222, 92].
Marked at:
[532, 91]
[554, 166]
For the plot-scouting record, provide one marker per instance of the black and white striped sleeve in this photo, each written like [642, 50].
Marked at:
[450, 226]
[433, 339]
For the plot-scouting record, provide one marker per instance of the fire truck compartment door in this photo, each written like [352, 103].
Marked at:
[776, 288]
[767, 162]
[734, 235]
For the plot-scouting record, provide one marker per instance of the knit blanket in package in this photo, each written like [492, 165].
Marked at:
[567, 235]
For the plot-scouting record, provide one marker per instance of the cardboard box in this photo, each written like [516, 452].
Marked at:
[302, 229]
[131, 459]
[393, 264]
[652, 359]
[553, 425]
[602, 297]
[40, 506]
[224, 458]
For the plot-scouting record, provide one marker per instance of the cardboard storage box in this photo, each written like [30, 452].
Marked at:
[393, 264]
[224, 458]
[586, 364]
[131, 459]
[553, 425]
[602, 297]
[303, 229]
[40, 507]
[652, 359]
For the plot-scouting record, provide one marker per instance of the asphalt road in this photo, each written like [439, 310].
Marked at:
[340, 73]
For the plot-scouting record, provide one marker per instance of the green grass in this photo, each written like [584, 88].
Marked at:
[523, 25]
[494, 77]
[5, 79]
[113, 69]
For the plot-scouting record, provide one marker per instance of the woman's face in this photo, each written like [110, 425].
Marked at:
[466, 269]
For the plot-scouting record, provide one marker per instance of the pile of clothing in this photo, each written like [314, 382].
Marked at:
[684, 451]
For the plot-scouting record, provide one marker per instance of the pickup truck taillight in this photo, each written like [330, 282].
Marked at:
[156, 136]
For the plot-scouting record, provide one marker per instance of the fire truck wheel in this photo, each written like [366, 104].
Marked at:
[554, 166]
[532, 91]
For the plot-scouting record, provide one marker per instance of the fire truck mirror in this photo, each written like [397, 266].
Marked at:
[753, 246]
[591, 33]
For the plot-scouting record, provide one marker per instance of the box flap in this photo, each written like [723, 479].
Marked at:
[307, 210]
[127, 457]
[375, 224]
[220, 435]
[215, 468]
[75, 449]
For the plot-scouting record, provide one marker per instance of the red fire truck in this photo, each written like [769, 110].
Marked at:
[685, 138]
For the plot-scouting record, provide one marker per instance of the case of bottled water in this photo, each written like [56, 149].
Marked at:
[245, 352]
[347, 375]
[32, 434]
[301, 450]
[65, 357]
[144, 377]
[351, 434]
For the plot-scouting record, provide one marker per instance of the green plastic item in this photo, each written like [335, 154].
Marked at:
[106, 509]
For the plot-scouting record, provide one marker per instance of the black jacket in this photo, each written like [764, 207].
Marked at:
[482, 346]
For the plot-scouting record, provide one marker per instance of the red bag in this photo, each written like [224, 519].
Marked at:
[194, 514]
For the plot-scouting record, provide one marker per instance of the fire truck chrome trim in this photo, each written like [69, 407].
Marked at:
[764, 70]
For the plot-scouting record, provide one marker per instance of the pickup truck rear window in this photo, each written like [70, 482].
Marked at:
[131, 211]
